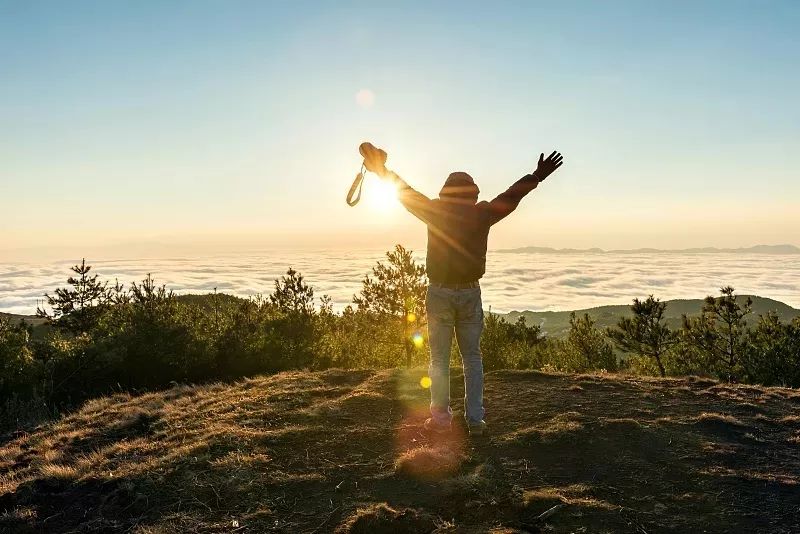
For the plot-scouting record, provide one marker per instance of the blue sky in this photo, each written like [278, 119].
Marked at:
[238, 123]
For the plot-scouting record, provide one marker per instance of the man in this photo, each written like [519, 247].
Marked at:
[458, 230]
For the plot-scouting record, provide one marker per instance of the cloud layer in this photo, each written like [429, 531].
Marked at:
[513, 282]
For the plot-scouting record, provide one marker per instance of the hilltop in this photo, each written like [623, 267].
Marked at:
[30, 319]
[556, 323]
[343, 451]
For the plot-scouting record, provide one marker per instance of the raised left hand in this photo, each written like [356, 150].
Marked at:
[548, 166]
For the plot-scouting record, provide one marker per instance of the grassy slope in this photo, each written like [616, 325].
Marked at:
[30, 319]
[557, 323]
[343, 450]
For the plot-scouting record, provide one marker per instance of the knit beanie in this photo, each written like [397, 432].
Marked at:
[459, 185]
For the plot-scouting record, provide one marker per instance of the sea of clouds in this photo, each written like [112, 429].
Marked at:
[514, 281]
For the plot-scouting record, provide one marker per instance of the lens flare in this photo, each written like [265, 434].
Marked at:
[425, 382]
[411, 317]
[418, 340]
[365, 98]
[381, 196]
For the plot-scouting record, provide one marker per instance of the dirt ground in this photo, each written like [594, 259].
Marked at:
[343, 451]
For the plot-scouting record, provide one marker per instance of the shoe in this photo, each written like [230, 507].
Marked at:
[476, 429]
[432, 426]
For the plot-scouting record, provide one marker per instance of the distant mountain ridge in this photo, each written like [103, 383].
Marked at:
[757, 249]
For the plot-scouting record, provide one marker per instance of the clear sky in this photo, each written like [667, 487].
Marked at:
[237, 123]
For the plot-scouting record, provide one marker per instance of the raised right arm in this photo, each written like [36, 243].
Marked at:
[415, 202]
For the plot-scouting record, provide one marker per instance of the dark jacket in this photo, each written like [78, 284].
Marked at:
[458, 227]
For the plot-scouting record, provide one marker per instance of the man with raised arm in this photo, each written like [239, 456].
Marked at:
[458, 230]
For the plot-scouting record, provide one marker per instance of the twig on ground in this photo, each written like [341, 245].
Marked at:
[550, 512]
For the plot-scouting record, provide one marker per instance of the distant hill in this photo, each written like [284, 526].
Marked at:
[206, 301]
[556, 323]
[344, 451]
[757, 249]
[30, 319]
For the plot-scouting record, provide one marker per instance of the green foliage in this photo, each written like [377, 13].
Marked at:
[717, 340]
[360, 339]
[15, 357]
[292, 295]
[153, 340]
[396, 294]
[294, 325]
[508, 345]
[76, 309]
[69, 369]
[645, 334]
[396, 288]
[250, 340]
[585, 348]
[556, 323]
[773, 355]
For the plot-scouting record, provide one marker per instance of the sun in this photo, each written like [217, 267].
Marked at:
[380, 196]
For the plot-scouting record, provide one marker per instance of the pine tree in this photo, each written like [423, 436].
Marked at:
[396, 291]
[292, 294]
[77, 308]
[719, 334]
[645, 333]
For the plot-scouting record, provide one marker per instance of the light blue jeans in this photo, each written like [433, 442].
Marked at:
[459, 311]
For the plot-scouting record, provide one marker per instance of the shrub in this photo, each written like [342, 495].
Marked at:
[15, 357]
[508, 345]
[773, 353]
[585, 347]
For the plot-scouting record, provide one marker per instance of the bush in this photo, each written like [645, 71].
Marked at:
[773, 353]
[508, 345]
[15, 357]
[585, 348]
[153, 340]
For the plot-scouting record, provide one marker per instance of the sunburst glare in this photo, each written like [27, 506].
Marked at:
[380, 196]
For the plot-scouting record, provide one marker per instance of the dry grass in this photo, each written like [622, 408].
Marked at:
[791, 420]
[554, 428]
[428, 463]
[574, 494]
[383, 519]
[344, 450]
[711, 417]
[58, 472]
